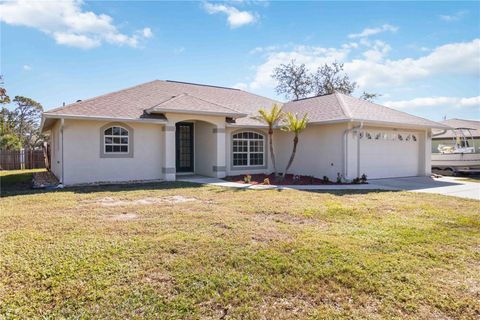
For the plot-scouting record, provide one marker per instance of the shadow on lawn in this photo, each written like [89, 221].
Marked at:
[20, 184]
[26, 189]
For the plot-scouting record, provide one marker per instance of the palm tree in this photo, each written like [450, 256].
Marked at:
[271, 117]
[295, 125]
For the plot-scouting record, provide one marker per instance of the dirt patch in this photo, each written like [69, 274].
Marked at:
[44, 179]
[123, 217]
[112, 202]
[282, 218]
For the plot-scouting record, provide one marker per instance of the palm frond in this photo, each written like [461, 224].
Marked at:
[295, 124]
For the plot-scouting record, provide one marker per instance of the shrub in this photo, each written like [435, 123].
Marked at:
[247, 178]
[356, 180]
[325, 179]
[339, 177]
[363, 178]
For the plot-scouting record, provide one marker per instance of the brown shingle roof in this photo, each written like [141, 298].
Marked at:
[185, 103]
[132, 102]
[341, 107]
[144, 100]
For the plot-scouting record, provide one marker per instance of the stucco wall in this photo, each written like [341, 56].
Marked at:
[319, 151]
[56, 150]
[205, 148]
[83, 163]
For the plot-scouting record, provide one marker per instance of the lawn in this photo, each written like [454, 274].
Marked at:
[179, 250]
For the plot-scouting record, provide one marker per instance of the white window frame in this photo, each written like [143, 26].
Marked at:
[112, 144]
[248, 152]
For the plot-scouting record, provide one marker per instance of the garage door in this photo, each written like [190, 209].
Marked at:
[388, 154]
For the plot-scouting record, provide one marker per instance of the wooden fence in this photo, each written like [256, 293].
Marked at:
[21, 159]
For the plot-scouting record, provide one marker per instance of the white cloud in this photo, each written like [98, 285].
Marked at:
[373, 69]
[472, 102]
[454, 17]
[147, 33]
[68, 23]
[235, 17]
[372, 31]
[461, 58]
[27, 67]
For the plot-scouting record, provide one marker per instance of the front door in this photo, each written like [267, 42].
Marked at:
[184, 146]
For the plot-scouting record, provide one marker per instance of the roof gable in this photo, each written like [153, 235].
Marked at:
[342, 107]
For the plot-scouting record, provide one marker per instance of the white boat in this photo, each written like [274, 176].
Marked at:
[459, 156]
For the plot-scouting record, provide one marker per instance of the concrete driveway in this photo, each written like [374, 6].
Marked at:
[449, 186]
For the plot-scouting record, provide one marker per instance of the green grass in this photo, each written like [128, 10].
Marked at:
[16, 180]
[238, 254]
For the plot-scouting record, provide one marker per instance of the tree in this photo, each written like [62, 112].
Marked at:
[295, 125]
[10, 141]
[294, 81]
[369, 96]
[331, 78]
[27, 120]
[4, 98]
[271, 117]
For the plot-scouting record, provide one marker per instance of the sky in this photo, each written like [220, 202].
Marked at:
[422, 57]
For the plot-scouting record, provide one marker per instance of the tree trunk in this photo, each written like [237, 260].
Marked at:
[295, 142]
[272, 154]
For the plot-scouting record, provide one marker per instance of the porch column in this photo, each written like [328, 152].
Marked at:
[219, 168]
[168, 168]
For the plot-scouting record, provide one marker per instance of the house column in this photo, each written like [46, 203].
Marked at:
[168, 168]
[219, 168]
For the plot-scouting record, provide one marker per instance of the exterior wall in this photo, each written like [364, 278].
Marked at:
[56, 150]
[205, 148]
[232, 171]
[217, 139]
[83, 163]
[319, 151]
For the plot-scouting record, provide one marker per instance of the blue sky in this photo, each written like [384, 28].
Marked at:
[423, 57]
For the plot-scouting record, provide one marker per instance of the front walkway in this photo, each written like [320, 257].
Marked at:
[449, 186]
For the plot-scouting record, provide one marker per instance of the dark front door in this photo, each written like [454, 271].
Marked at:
[184, 146]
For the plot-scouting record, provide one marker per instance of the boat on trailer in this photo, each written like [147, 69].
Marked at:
[460, 156]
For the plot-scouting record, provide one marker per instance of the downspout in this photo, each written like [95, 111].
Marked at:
[345, 149]
[440, 133]
[62, 122]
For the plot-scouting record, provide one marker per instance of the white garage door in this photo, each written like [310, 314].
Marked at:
[388, 154]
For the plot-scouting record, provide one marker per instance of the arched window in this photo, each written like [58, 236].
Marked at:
[116, 140]
[248, 149]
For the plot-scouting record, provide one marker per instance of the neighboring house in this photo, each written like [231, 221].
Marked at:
[448, 137]
[160, 129]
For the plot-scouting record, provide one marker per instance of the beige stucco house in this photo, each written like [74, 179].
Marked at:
[161, 129]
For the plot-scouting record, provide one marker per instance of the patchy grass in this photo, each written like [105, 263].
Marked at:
[237, 254]
[16, 180]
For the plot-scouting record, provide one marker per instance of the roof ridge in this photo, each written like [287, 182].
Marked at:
[100, 96]
[203, 85]
[184, 94]
[213, 103]
[392, 109]
[345, 109]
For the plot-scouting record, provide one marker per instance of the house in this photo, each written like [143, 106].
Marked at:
[447, 137]
[161, 129]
